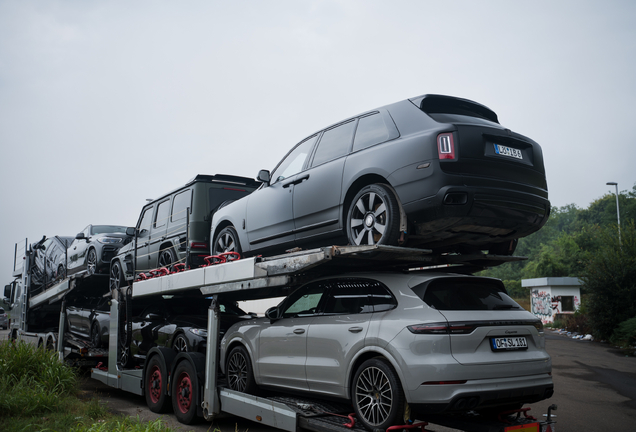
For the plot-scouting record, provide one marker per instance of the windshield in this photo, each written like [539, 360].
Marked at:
[107, 229]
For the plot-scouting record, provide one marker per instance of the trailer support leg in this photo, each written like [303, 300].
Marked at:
[210, 404]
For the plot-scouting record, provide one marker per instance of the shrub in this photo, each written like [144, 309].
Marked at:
[625, 336]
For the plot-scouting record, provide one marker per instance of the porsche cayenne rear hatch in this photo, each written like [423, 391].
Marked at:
[485, 325]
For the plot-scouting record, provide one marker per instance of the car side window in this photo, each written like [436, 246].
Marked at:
[381, 297]
[305, 301]
[180, 204]
[295, 160]
[371, 130]
[350, 297]
[163, 210]
[144, 224]
[335, 142]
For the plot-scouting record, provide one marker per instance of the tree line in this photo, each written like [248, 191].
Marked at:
[584, 243]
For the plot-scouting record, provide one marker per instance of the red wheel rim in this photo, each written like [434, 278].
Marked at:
[184, 392]
[154, 384]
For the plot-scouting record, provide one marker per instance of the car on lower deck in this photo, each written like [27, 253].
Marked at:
[437, 342]
[433, 171]
[177, 322]
[88, 317]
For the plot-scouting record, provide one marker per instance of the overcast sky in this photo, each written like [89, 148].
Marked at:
[105, 104]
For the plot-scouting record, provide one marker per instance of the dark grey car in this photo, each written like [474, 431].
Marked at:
[175, 228]
[93, 249]
[430, 172]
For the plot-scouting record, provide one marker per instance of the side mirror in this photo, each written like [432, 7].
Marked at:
[263, 176]
[272, 313]
[130, 231]
[7, 292]
[80, 236]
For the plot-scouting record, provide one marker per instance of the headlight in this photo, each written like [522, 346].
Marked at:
[109, 240]
[199, 332]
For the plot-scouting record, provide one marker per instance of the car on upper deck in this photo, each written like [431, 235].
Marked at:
[175, 228]
[92, 250]
[439, 342]
[435, 172]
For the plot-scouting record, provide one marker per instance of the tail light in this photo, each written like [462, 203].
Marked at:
[199, 245]
[446, 146]
[539, 326]
[443, 328]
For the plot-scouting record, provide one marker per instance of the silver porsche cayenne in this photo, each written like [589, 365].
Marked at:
[395, 343]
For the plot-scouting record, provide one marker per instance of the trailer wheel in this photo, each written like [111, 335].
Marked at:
[377, 395]
[184, 393]
[240, 376]
[227, 241]
[373, 217]
[155, 382]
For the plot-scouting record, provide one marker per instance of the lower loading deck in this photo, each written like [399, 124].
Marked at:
[255, 278]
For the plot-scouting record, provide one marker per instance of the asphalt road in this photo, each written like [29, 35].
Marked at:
[595, 390]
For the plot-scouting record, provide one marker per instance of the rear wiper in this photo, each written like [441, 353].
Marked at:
[505, 306]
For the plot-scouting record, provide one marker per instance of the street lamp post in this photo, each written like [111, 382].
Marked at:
[618, 212]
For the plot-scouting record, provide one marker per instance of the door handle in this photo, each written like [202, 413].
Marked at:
[296, 181]
[299, 331]
[355, 329]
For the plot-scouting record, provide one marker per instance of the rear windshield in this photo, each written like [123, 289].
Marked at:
[220, 195]
[465, 294]
[449, 105]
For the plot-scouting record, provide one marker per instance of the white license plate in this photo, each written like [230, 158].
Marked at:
[508, 151]
[508, 343]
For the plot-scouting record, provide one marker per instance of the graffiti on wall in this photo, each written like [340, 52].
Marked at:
[556, 304]
[541, 304]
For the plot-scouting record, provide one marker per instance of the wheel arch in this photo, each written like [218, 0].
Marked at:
[366, 180]
[217, 229]
[366, 354]
[233, 344]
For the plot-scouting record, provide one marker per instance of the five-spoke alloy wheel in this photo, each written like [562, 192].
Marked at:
[227, 241]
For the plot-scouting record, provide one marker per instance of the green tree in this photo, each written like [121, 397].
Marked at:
[610, 278]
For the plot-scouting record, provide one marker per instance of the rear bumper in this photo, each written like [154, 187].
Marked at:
[480, 394]
[476, 213]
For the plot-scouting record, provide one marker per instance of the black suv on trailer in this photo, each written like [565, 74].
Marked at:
[162, 238]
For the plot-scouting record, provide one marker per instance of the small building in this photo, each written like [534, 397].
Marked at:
[552, 296]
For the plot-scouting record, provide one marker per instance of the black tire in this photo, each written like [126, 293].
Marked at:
[239, 373]
[180, 344]
[116, 276]
[125, 357]
[185, 397]
[91, 262]
[377, 396]
[167, 258]
[156, 382]
[373, 217]
[227, 240]
[96, 337]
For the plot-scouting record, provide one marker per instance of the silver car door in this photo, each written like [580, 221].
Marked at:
[335, 337]
[283, 344]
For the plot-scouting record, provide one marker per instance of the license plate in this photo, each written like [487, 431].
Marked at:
[508, 151]
[508, 343]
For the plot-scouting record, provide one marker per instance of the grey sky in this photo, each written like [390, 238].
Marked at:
[105, 104]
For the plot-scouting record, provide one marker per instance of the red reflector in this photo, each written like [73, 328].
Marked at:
[199, 245]
[234, 189]
[446, 146]
[443, 382]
